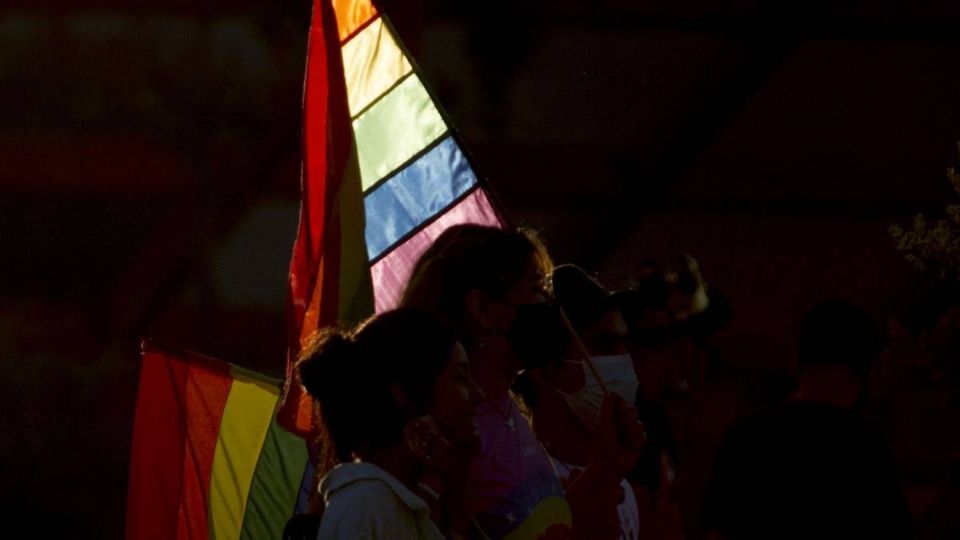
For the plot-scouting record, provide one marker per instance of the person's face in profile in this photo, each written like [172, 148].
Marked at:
[531, 288]
[654, 365]
[607, 336]
[456, 397]
[521, 315]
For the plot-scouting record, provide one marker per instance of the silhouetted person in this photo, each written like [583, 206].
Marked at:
[566, 398]
[396, 401]
[812, 468]
[671, 314]
[491, 285]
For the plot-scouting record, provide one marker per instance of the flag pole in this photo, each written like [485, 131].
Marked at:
[582, 349]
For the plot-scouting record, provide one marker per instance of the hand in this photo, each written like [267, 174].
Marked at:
[450, 465]
[632, 434]
[433, 450]
[667, 476]
[619, 437]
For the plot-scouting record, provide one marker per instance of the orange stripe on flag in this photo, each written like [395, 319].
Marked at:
[312, 316]
[351, 15]
[208, 386]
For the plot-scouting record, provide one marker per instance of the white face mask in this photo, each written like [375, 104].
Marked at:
[618, 376]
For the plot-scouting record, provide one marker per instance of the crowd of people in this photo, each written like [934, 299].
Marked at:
[508, 398]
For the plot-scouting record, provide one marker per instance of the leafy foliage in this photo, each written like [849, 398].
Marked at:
[934, 245]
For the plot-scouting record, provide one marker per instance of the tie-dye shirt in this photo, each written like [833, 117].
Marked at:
[513, 491]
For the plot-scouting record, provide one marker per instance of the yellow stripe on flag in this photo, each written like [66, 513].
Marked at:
[549, 513]
[394, 129]
[246, 418]
[356, 289]
[372, 63]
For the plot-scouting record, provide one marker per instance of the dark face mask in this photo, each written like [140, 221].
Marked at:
[537, 333]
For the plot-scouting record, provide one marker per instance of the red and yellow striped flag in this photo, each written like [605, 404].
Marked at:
[208, 459]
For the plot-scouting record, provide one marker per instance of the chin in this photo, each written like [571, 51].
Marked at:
[468, 439]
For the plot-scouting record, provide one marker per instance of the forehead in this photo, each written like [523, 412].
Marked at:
[459, 354]
[457, 362]
[532, 271]
[529, 275]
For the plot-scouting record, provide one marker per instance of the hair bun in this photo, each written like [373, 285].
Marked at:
[326, 362]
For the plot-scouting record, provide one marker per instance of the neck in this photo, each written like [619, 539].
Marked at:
[492, 368]
[833, 386]
[562, 434]
[650, 388]
[398, 461]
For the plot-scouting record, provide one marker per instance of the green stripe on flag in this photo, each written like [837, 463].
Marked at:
[355, 287]
[247, 418]
[276, 484]
[394, 129]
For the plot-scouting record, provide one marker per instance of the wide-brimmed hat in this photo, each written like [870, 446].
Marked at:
[668, 302]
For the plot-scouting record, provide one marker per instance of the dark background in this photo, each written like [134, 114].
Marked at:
[149, 177]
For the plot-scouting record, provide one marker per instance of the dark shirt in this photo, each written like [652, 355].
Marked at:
[805, 470]
[302, 527]
[660, 439]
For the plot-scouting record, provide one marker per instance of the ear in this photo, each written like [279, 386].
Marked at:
[537, 375]
[482, 310]
[401, 399]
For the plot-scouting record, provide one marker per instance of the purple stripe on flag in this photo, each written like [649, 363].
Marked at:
[390, 273]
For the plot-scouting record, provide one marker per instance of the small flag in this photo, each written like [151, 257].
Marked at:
[208, 458]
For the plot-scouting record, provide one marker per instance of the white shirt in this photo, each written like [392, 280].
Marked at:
[364, 502]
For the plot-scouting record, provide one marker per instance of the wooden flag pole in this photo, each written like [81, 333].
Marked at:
[583, 350]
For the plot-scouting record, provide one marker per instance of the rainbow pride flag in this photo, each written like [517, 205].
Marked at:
[384, 174]
[208, 458]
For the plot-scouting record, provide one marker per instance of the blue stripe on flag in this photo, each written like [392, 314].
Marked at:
[415, 194]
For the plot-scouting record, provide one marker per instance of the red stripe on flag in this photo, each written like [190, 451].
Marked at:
[156, 457]
[390, 274]
[327, 145]
[208, 386]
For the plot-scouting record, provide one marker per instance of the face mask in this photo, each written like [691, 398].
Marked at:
[619, 377]
[536, 333]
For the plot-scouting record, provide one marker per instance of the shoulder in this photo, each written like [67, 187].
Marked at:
[367, 508]
[362, 501]
[362, 492]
